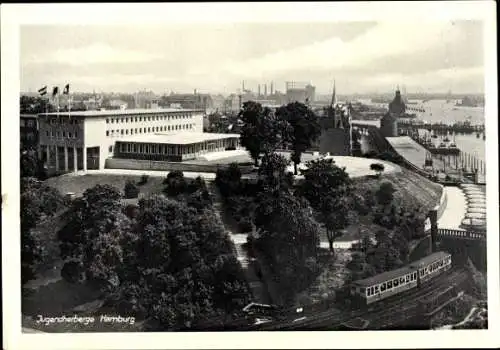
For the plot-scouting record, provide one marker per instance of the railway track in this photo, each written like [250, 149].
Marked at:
[398, 304]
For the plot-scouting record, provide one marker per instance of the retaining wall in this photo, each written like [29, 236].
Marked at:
[141, 164]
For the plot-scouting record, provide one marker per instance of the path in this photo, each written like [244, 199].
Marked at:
[257, 287]
[456, 208]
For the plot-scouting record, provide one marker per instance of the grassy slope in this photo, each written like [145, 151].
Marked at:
[78, 184]
[412, 188]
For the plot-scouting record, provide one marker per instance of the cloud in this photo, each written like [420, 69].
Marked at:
[386, 40]
[93, 54]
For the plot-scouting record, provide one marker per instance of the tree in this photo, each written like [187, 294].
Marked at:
[175, 183]
[95, 227]
[228, 181]
[378, 168]
[322, 177]
[180, 268]
[38, 202]
[273, 174]
[335, 214]
[304, 128]
[131, 190]
[288, 237]
[262, 131]
[328, 188]
[385, 193]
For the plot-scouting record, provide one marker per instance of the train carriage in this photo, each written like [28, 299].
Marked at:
[432, 265]
[384, 285]
[379, 287]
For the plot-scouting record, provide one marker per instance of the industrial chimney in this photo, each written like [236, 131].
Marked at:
[271, 88]
[265, 90]
[258, 91]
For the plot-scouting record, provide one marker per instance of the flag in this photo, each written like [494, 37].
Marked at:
[66, 90]
[55, 91]
[43, 91]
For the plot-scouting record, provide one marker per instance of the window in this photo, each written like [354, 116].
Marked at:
[169, 128]
[110, 149]
[149, 129]
[414, 275]
[47, 134]
[368, 292]
[131, 131]
[107, 133]
[107, 121]
[157, 128]
[121, 131]
[376, 290]
[402, 280]
[112, 120]
[126, 132]
[161, 128]
[76, 134]
[135, 130]
[396, 282]
[382, 287]
[407, 277]
[389, 284]
[58, 134]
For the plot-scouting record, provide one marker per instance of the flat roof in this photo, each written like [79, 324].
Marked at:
[178, 139]
[117, 112]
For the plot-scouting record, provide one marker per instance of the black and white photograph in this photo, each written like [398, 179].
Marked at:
[238, 171]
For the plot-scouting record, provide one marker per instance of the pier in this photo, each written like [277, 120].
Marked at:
[442, 128]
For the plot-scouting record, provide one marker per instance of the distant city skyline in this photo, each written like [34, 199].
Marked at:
[362, 57]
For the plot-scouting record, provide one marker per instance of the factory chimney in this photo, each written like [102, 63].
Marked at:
[258, 90]
[271, 88]
[265, 90]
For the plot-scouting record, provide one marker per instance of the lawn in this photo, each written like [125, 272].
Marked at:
[78, 184]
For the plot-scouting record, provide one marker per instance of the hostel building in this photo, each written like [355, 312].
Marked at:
[71, 141]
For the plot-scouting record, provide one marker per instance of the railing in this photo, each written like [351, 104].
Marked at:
[461, 234]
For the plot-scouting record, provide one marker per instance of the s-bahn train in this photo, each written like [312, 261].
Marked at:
[384, 285]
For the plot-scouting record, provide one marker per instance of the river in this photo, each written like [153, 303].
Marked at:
[447, 112]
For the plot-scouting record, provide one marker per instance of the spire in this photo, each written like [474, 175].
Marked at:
[333, 95]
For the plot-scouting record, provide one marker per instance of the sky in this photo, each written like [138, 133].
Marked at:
[362, 57]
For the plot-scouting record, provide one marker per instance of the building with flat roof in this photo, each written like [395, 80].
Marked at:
[70, 141]
[28, 131]
[176, 147]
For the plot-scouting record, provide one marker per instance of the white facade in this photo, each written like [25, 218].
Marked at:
[83, 140]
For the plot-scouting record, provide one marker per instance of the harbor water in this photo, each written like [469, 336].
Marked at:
[443, 111]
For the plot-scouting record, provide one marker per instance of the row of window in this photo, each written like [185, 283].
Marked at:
[159, 149]
[148, 118]
[435, 266]
[149, 129]
[63, 134]
[27, 123]
[404, 279]
[64, 121]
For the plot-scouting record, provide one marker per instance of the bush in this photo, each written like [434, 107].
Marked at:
[144, 179]
[377, 167]
[131, 190]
